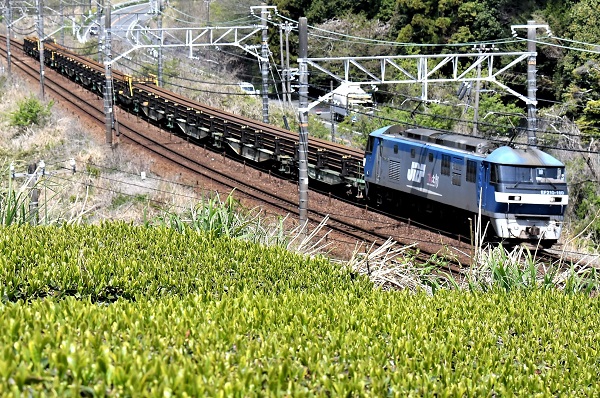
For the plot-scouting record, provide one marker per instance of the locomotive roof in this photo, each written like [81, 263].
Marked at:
[479, 146]
[474, 145]
[523, 157]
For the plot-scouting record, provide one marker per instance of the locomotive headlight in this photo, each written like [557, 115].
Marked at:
[515, 198]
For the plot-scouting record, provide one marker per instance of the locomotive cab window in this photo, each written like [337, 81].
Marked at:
[494, 174]
[549, 175]
[430, 157]
[530, 175]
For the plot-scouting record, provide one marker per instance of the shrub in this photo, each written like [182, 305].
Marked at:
[30, 111]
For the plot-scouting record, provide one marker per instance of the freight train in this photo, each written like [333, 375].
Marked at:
[522, 193]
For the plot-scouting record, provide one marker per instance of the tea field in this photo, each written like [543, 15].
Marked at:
[123, 310]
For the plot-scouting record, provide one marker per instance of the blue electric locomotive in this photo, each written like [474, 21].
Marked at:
[521, 192]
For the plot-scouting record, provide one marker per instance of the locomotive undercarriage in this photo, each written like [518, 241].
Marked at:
[545, 230]
[509, 228]
[448, 219]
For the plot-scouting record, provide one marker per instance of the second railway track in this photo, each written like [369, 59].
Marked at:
[350, 223]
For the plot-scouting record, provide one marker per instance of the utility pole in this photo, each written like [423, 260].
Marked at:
[40, 31]
[8, 35]
[108, 91]
[264, 14]
[303, 121]
[160, 44]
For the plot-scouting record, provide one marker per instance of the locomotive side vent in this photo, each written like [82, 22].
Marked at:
[394, 170]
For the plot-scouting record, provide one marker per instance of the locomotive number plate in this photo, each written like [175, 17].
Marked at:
[545, 192]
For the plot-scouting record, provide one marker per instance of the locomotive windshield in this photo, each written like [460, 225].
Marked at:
[524, 175]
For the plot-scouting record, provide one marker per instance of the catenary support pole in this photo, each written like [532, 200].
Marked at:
[160, 44]
[287, 63]
[476, 104]
[303, 121]
[40, 32]
[331, 114]
[99, 8]
[264, 14]
[283, 70]
[531, 86]
[62, 23]
[108, 91]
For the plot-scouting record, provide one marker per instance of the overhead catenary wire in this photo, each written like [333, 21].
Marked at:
[217, 92]
[394, 43]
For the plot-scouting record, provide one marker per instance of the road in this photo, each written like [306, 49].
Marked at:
[124, 22]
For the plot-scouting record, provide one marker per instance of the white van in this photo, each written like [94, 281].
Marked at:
[248, 88]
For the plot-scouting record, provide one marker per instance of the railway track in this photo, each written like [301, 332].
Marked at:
[62, 90]
[374, 226]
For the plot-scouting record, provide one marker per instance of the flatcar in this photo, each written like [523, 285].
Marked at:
[522, 193]
[331, 166]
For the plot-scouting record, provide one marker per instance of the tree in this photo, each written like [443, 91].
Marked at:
[579, 71]
[317, 11]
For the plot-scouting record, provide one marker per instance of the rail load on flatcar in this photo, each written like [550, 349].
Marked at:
[521, 192]
[331, 167]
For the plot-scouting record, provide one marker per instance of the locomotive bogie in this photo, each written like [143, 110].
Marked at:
[528, 229]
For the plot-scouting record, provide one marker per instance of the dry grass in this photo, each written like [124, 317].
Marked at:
[107, 184]
[391, 266]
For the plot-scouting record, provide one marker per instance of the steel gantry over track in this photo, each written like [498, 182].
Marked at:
[420, 69]
[216, 36]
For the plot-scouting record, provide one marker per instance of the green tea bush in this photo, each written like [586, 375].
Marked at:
[119, 260]
[196, 315]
